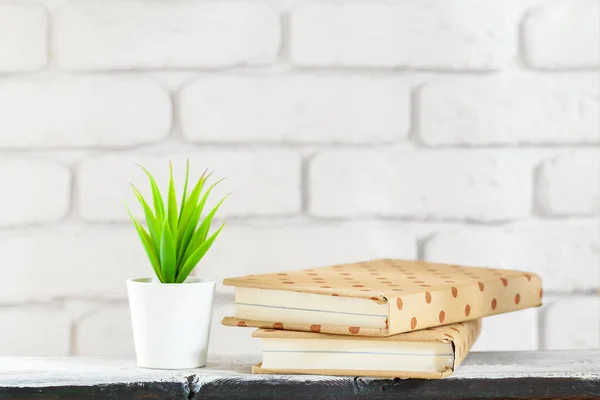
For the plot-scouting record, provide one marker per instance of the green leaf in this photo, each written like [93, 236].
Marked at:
[188, 218]
[148, 246]
[154, 226]
[205, 225]
[168, 257]
[159, 206]
[199, 208]
[183, 198]
[205, 197]
[187, 236]
[200, 235]
[196, 256]
[172, 204]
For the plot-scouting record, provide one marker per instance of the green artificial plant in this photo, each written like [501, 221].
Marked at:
[177, 237]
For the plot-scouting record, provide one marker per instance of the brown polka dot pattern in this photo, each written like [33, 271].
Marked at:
[413, 323]
[241, 323]
[315, 328]
[453, 293]
[354, 330]
[277, 325]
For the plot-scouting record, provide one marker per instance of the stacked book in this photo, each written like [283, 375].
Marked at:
[388, 318]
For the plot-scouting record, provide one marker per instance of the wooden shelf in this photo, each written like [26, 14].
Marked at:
[516, 375]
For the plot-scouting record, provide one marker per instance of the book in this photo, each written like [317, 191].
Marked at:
[379, 298]
[431, 354]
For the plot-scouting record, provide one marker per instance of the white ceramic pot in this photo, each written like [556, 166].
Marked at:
[171, 322]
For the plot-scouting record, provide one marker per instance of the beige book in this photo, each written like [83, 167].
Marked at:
[379, 298]
[431, 354]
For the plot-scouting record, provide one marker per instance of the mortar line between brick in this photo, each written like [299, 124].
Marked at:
[299, 219]
[285, 42]
[536, 197]
[175, 128]
[333, 146]
[305, 183]
[414, 126]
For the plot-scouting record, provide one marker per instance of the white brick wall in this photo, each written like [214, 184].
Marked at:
[572, 323]
[105, 331]
[563, 35]
[296, 109]
[522, 325]
[467, 35]
[465, 131]
[82, 112]
[503, 110]
[23, 38]
[36, 191]
[32, 330]
[481, 186]
[569, 184]
[166, 34]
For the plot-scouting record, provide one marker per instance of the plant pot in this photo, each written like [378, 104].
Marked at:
[171, 322]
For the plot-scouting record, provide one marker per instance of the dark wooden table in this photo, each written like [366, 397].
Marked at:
[512, 375]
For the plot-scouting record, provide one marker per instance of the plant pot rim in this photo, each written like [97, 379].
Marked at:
[195, 280]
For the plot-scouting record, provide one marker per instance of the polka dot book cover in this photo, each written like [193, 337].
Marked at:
[432, 353]
[379, 298]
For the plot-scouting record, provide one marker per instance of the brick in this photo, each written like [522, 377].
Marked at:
[262, 248]
[103, 182]
[457, 35]
[96, 34]
[564, 253]
[570, 184]
[83, 112]
[36, 191]
[515, 331]
[298, 109]
[105, 332]
[482, 186]
[83, 262]
[563, 35]
[572, 323]
[23, 38]
[487, 111]
[42, 331]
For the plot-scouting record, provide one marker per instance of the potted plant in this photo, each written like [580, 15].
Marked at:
[171, 312]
